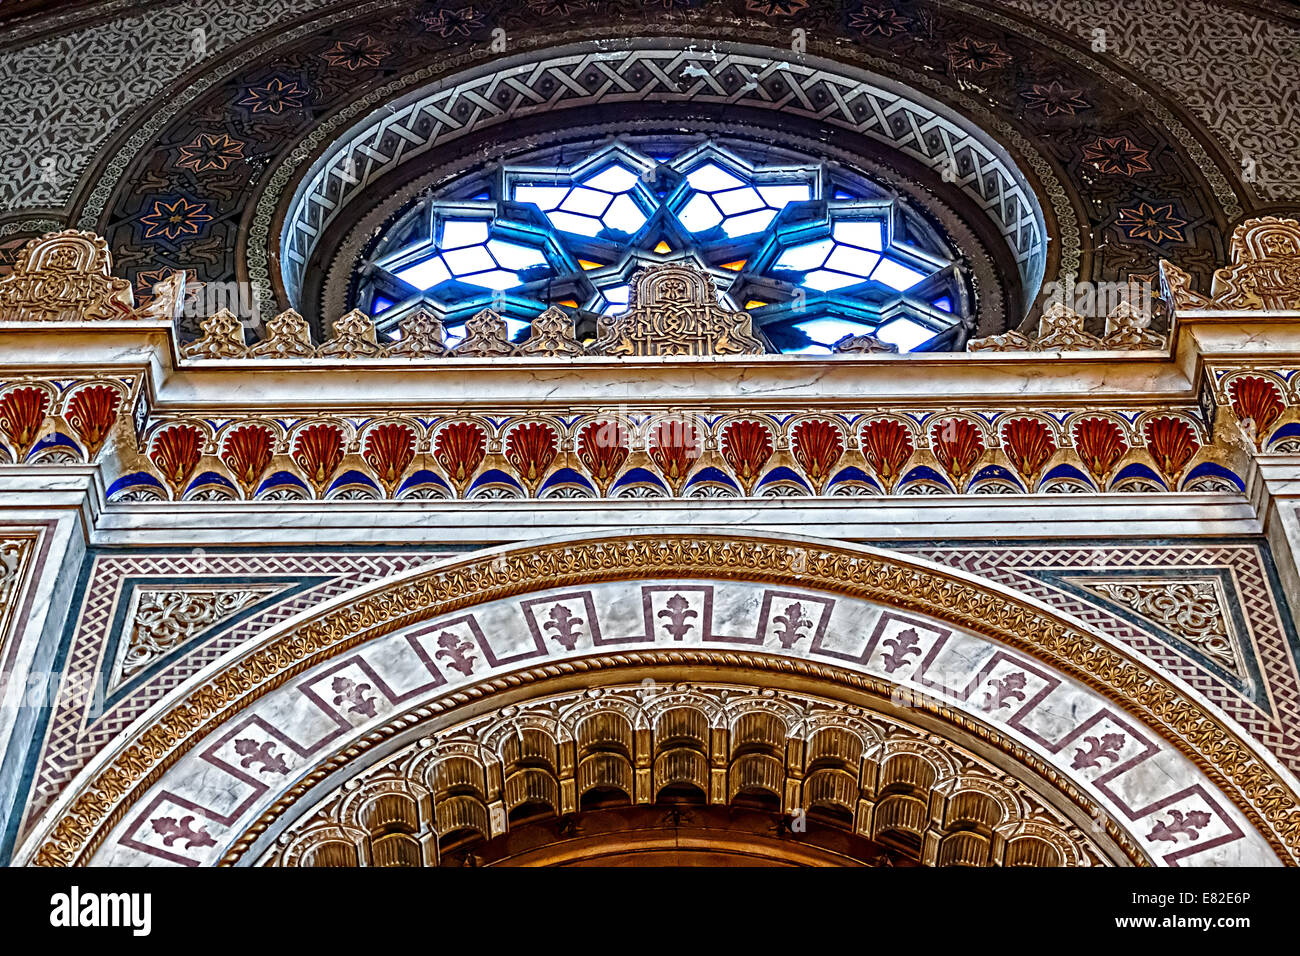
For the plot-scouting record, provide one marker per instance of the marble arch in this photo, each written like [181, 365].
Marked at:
[204, 775]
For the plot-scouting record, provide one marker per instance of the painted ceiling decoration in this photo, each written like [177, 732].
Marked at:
[1127, 172]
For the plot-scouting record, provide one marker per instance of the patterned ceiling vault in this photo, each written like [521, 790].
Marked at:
[1137, 152]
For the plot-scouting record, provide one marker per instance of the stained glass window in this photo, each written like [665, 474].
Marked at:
[813, 254]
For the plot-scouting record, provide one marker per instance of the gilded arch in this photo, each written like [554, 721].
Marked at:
[869, 621]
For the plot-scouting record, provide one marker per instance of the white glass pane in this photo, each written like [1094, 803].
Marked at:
[829, 331]
[424, 275]
[778, 197]
[624, 215]
[710, 177]
[700, 215]
[514, 256]
[904, 333]
[582, 225]
[618, 293]
[589, 202]
[807, 256]
[514, 326]
[896, 275]
[494, 279]
[615, 179]
[735, 201]
[824, 280]
[750, 222]
[457, 233]
[462, 262]
[853, 260]
[865, 235]
[809, 350]
[546, 197]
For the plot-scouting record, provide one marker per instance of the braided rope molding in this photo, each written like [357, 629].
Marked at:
[865, 105]
[86, 817]
[838, 677]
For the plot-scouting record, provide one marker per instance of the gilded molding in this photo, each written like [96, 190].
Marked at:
[99, 801]
[849, 742]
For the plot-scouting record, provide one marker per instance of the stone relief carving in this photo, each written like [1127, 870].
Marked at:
[64, 277]
[165, 618]
[1191, 609]
[463, 781]
[674, 310]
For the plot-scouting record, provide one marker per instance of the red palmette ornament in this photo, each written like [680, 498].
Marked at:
[1100, 445]
[318, 451]
[459, 448]
[1172, 443]
[1258, 401]
[176, 452]
[673, 447]
[887, 446]
[22, 413]
[817, 446]
[603, 448]
[389, 450]
[1029, 445]
[91, 412]
[746, 447]
[530, 449]
[958, 445]
[246, 451]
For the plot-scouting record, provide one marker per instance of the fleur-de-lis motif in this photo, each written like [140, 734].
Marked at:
[356, 696]
[1004, 691]
[901, 646]
[1105, 747]
[678, 613]
[1180, 824]
[171, 830]
[262, 754]
[791, 623]
[456, 652]
[566, 625]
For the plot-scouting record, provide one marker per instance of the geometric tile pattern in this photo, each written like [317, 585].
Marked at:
[49, 132]
[1253, 118]
[85, 717]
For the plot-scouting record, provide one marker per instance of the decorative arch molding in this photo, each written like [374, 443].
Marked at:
[194, 780]
[910, 791]
[662, 70]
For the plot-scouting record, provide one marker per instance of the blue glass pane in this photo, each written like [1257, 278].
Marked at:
[814, 272]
